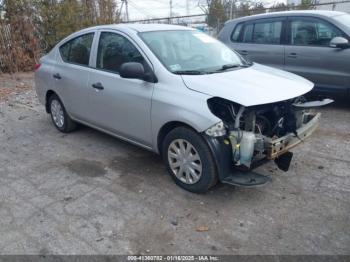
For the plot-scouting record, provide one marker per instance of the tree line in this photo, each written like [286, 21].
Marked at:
[29, 28]
[219, 11]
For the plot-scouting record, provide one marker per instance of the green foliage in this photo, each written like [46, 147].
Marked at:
[61, 18]
[47, 19]
[19, 42]
[37, 25]
[216, 13]
[247, 8]
[70, 18]
[305, 5]
[55, 19]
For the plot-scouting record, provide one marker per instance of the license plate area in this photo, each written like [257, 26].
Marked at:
[279, 146]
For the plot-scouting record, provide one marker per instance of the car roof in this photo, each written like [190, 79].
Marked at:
[156, 27]
[291, 13]
[141, 27]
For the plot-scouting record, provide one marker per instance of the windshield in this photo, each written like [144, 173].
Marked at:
[344, 19]
[191, 52]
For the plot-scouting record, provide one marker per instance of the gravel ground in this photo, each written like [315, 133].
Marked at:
[90, 193]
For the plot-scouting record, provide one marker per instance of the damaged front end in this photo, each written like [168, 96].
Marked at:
[259, 133]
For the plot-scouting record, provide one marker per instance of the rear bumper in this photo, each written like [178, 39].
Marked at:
[281, 145]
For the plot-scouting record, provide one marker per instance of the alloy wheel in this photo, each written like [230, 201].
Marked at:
[57, 113]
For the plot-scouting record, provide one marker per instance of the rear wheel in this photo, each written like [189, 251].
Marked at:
[189, 160]
[59, 116]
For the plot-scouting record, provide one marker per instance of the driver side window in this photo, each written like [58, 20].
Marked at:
[114, 50]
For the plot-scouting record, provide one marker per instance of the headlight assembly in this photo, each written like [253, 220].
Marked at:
[216, 130]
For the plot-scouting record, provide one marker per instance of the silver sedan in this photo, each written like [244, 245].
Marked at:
[180, 93]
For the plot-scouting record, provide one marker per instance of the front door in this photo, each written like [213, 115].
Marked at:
[310, 55]
[116, 104]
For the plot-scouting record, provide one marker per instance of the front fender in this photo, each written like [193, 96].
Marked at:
[179, 105]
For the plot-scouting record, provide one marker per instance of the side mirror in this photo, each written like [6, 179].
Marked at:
[339, 42]
[132, 70]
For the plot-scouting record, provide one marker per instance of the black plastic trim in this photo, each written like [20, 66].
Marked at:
[222, 153]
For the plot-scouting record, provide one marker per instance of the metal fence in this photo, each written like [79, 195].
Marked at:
[5, 40]
[199, 21]
[9, 56]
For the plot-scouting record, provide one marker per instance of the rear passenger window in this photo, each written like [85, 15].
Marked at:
[259, 32]
[248, 34]
[77, 50]
[267, 33]
[236, 33]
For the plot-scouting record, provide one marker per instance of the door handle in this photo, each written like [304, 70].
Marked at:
[293, 55]
[98, 86]
[57, 76]
[243, 52]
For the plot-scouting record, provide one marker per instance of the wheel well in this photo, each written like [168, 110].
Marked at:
[166, 129]
[48, 94]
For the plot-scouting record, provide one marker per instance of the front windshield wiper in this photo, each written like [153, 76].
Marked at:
[229, 66]
[189, 72]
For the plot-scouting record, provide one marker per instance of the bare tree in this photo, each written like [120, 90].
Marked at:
[19, 43]
[26, 24]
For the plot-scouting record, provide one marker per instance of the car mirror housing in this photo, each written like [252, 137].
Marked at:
[339, 42]
[136, 71]
[132, 70]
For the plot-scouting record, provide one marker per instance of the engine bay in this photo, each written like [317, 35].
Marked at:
[265, 131]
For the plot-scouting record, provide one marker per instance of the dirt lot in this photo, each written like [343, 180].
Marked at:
[89, 193]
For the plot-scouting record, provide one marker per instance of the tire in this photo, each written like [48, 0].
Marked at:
[208, 176]
[66, 124]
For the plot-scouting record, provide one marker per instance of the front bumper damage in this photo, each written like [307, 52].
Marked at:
[279, 146]
[275, 148]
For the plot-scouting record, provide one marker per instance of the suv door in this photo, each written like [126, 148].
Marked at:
[260, 41]
[71, 74]
[119, 105]
[309, 54]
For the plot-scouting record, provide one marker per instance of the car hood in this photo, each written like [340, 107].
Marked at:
[254, 85]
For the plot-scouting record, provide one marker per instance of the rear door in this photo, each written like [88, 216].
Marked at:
[261, 41]
[309, 55]
[71, 74]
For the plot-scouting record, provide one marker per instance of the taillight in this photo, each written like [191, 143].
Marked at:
[36, 67]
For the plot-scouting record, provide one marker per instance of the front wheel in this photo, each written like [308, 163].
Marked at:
[59, 116]
[189, 160]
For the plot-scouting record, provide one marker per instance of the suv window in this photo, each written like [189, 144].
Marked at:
[114, 50]
[259, 32]
[312, 32]
[248, 33]
[267, 32]
[236, 32]
[77, 50]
